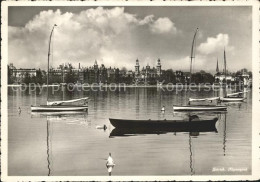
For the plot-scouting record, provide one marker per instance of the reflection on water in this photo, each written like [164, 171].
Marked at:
[78, 118]
[76, 147]
[190, 146]
[225, 133]
[191, 132]
[48, 149]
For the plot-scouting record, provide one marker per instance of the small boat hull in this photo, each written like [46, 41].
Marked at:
[205, 99]
[168, 125]
[58, 108]
[232, 99]
[199, 108]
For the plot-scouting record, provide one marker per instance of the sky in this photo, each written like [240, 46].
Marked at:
[117, 36]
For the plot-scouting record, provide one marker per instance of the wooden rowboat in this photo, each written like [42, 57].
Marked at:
[163, 124]
[199, 108]
[194, 131]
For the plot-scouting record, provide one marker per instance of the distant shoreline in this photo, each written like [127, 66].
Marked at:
[131, 86]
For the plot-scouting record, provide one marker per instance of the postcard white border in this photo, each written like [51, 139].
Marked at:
[255, 111]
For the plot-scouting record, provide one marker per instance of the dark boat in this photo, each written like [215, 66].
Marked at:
[165, 125]
[127, 129]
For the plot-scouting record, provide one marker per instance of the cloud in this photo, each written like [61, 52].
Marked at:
[215, 44]
[163, 25]
[184, 63]
[111, 35]
[148, 19]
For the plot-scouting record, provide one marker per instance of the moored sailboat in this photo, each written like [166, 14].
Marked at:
[235, 97]
[59, 106]
[198, 107]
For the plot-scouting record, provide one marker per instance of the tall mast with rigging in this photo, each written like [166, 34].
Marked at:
[49, 62]
[225, 66]
[55, 106]
[192, 56]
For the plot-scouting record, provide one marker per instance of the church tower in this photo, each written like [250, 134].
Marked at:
[159, 67]
[137, 67]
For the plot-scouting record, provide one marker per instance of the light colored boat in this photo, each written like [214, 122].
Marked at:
[62, 106]
[59, 106]
[232, 99]
[237, 93]
[57, 103]
[199, 108]
[204, 99]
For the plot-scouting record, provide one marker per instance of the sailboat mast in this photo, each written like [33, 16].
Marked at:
[49, 62]
[63, 73]
[225, 66]
[217, 68]
[192, 52]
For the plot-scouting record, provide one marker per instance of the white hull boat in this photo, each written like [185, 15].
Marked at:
[232, 99]
[204, 99]
[237, 93]
[199, 108]
[58, 108]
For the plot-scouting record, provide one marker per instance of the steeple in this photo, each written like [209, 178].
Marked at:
[217, 69]
[95, 66]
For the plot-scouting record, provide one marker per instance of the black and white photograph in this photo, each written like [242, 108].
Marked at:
[103, 91]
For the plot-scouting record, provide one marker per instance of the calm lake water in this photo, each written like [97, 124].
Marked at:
[70, 144]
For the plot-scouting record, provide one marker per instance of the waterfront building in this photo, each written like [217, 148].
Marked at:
[111, 72]
[147, 74]
[182, 77]
[243, 76]
[18, 75]
[246, 78]
[221, 77]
